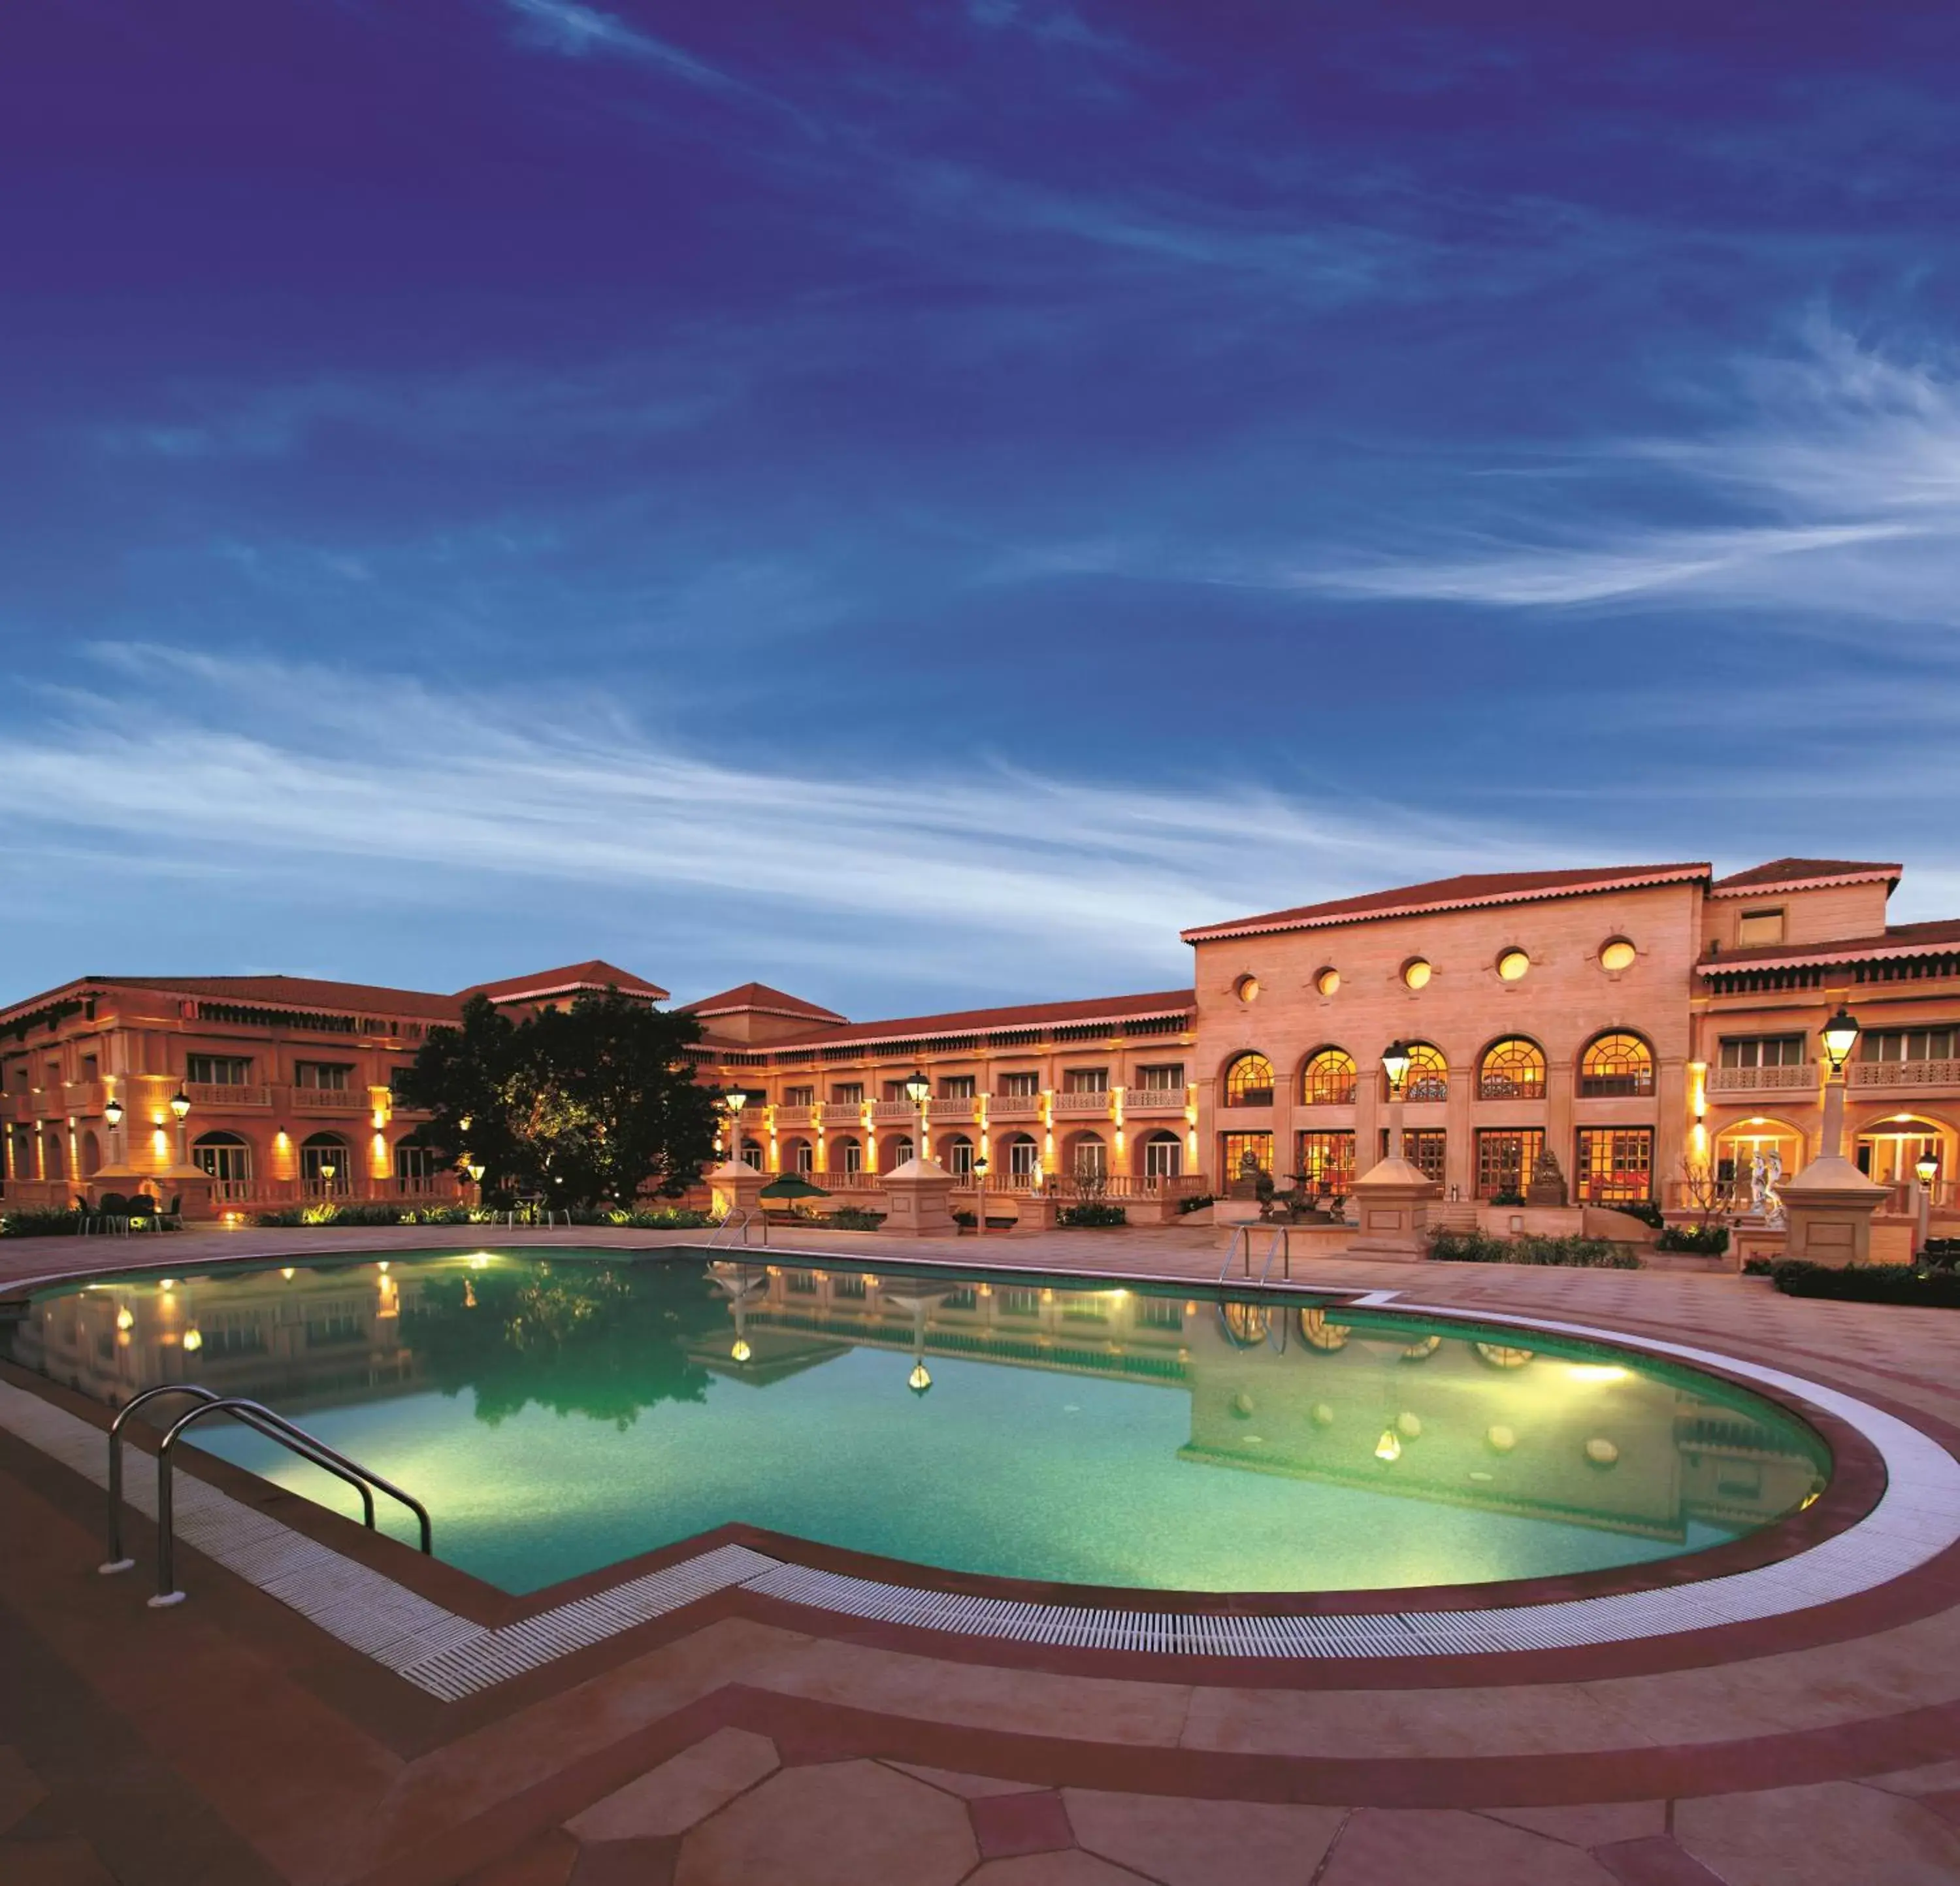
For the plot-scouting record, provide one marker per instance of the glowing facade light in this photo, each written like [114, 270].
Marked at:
[112, 1113]
[181, 1104]
[917, 1087]
[193, 1338]
[1839, 1035]
[1395, 1065]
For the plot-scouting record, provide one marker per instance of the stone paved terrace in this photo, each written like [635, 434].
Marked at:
[746, 1740]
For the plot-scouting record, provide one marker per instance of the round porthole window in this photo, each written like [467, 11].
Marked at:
[1617, 953]
[1246, 988]
[1512, 964]
[1416, 973]
[1327, 981]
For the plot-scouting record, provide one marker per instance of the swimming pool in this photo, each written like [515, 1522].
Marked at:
[559, 1415]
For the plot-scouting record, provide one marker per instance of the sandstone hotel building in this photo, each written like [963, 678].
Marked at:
[1640, 1023]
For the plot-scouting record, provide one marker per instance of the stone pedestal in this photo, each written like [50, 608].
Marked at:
[735, 1185]
[1036, 1211]
[1391, 1205]
[1827, 1211]
[918, 1201]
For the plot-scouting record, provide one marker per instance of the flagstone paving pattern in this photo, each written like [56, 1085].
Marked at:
[745, 1739]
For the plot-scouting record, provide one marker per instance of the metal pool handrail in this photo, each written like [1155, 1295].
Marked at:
[1280, 1245]
[741, 1219]
[118, 1560]
[276, 1427]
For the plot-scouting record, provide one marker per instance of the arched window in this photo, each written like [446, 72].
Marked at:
[1248, 1082]
[326, 1165]
[1615, 1065]
[897, 1151]
[799, 1157]
[224, 1155]
[753, 1153]
[415, 1165]
[957, 1156]
[1428, 1076]
[1164, 1156]
[57, 1166]
[847, 1157]
[1023, 1156]
[1329, 1078]
[1091, 1157]
[91, 1155]
[1511, 1069]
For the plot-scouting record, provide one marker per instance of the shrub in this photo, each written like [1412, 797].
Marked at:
[1198, 1203]
[851, 1218]
[966, 1221]
[1079, 1217]
[281, 1218]
[40, 1222]
[1868, 1283]
[1583, 1253]
[1706, 1241]
[1644, 1209]
[1507, 1198]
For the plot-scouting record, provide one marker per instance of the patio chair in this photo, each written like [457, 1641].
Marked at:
[172, 1218]
[142, 1210]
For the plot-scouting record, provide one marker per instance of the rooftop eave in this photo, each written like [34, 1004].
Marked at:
[1274, 925]
[1888, 875]
[1739, 965]
[1116, 1024]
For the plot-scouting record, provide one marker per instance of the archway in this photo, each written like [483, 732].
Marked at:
[1161, 1157]
[227, 1158]
[1889, 1149]
[1021, 1155]
[956, 1154]
[326, 1165]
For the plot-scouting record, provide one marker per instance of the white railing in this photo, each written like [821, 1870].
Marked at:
[1904, 1073]
[223, 1094]
[1087, 1100]
[1802, 1078]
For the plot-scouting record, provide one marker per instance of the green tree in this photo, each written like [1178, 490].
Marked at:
[588, 1104]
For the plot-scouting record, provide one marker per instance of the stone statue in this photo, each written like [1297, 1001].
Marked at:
[1773, 1186]
[1547, 1183]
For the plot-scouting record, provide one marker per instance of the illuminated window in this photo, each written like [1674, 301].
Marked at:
[1329, 1078]
[1505, 1158]
[1512, 964]
[1428, 1078]
[1909, 1044]
[1233, 1148]
[1615, 1164]
[328, 1076]
[319, 1152]
[1327, 981]
[217, 1070]
[414, 1164]
[1424, 1147]
[1416, 973]
[1248, 1082]
[1616, 953]
[1616, 1066]
[1326, 1163]
[1023, 1157]
[1086, 1080]
[1092, 1157]
[1511, 1069]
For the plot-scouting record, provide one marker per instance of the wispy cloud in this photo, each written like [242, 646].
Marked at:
[469, 800]
[579, 32]
[1840, 470]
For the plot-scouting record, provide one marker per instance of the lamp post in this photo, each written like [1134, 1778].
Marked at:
[327, 1168]
[980, 1195]
[918, 1089]
[1925, 1169]
[474, 1169]
[1395, 1065]
[112, 1113]
[1839, 1036]
[735, 1100]
[180, 1106]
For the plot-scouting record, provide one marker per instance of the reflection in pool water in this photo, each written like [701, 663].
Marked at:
[557, 1416]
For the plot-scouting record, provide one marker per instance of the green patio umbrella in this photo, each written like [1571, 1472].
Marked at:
[791, 1186]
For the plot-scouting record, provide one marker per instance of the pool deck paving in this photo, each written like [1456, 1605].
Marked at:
[745, 1738]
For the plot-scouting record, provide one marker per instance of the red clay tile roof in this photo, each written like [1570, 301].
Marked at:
[1791, 872]
[771, 1002]
[1453, 893]
[291, 992]
[571, 980]
[1898, 939]
[1114, 1009]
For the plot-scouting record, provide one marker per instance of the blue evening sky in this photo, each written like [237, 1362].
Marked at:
[916, 502]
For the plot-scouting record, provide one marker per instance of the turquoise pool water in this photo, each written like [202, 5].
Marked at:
[559, 1414]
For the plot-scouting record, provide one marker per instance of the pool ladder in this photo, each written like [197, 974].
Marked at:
[1279, 1245]
[262, 1420]
[741, 1220]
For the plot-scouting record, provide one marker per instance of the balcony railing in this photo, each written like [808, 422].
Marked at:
[224, 1094]
[83, 1097]
[1904, 1073]
[329, 1099]
[1014, 1106]
[893, 1110]
[842, 1113]
[1153, 1100]
[1801, 1078]
[1094, 1100]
